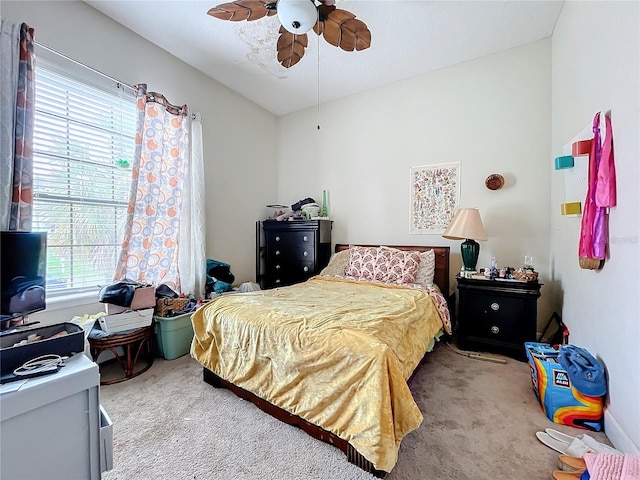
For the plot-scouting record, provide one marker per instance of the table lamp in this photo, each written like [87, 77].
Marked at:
[467, 224]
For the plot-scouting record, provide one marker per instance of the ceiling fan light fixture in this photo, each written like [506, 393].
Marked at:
[297, 16]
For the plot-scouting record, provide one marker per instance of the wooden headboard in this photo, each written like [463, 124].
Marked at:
[441, 276]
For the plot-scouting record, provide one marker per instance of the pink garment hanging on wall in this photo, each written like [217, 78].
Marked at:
[601, 195]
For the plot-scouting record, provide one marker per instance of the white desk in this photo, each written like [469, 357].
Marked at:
[54, 427]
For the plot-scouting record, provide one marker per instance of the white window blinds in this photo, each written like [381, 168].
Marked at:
[83, 152]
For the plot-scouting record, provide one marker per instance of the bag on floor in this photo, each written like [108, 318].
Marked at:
[585, 372]
[560, 401]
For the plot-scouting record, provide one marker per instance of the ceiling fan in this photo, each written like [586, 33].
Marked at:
[340, 28]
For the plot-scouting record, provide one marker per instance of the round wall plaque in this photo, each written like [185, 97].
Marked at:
[494, 181]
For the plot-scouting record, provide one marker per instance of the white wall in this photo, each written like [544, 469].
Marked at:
[240, 163]
[491, 114]
[595, 65]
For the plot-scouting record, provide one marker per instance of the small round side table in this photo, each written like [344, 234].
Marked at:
[127, 348]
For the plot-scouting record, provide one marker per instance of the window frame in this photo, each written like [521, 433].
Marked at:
[80, 75]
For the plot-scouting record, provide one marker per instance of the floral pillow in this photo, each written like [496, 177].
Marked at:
[361, 264]
[396, 266]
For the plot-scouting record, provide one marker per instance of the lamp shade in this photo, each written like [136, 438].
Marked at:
[466, 224]
[297, 16]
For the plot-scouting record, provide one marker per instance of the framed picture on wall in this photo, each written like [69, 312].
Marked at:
[435, 193]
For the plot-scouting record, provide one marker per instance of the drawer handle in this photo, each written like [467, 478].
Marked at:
[305, 238]
[277, 267]
[277, 252]
[305, 253]
[495, 329]
[495, 307]
[277, 239]
[306, 269]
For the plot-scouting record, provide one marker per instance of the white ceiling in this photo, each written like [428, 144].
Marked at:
[408, 38]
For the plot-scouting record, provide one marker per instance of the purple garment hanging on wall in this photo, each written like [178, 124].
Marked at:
[601, 194]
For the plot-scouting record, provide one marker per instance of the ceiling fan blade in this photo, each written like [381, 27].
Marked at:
[355, 35]
[290, 47]
[338, 16]
[241, 10]
[342, 29]
[324, 10]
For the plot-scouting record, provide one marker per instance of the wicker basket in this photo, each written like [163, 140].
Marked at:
[590, 263]
[166, 306]
[525, 276]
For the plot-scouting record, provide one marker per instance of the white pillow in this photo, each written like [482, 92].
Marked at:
[337, 264]
[427, 268]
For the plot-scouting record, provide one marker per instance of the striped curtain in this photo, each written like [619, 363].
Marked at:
[16, 131]
[150, 247]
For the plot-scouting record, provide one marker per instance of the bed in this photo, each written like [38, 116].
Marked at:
[334, 355]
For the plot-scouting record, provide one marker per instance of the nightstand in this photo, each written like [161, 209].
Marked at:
[497, 315]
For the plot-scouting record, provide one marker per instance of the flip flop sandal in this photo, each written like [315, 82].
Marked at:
[577, 450]
[598, 447]
[581, 444]
[549, 441]
[567, 463]
[562, 437]
[560, 475]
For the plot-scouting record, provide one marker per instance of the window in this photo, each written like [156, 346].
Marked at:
[83, 152]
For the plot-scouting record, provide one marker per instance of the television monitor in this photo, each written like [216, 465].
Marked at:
[22, 274]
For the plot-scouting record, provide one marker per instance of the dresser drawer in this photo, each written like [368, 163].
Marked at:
[280, 275]
[292, 238]
[294, 246]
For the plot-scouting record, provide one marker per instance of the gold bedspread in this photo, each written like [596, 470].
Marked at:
[333, 351]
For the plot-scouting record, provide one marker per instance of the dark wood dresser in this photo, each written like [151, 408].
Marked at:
[291, 252]
[497, 315]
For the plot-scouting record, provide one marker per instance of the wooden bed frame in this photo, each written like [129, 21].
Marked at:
[441, 278]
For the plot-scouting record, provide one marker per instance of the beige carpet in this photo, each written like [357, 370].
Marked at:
[480, 420]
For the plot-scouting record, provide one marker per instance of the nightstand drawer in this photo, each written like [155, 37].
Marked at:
[498, 318]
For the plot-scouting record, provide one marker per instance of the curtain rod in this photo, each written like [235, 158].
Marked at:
[83, 65]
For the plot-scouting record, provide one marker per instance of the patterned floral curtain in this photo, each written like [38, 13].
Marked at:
[150, 246]
[18, 109]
